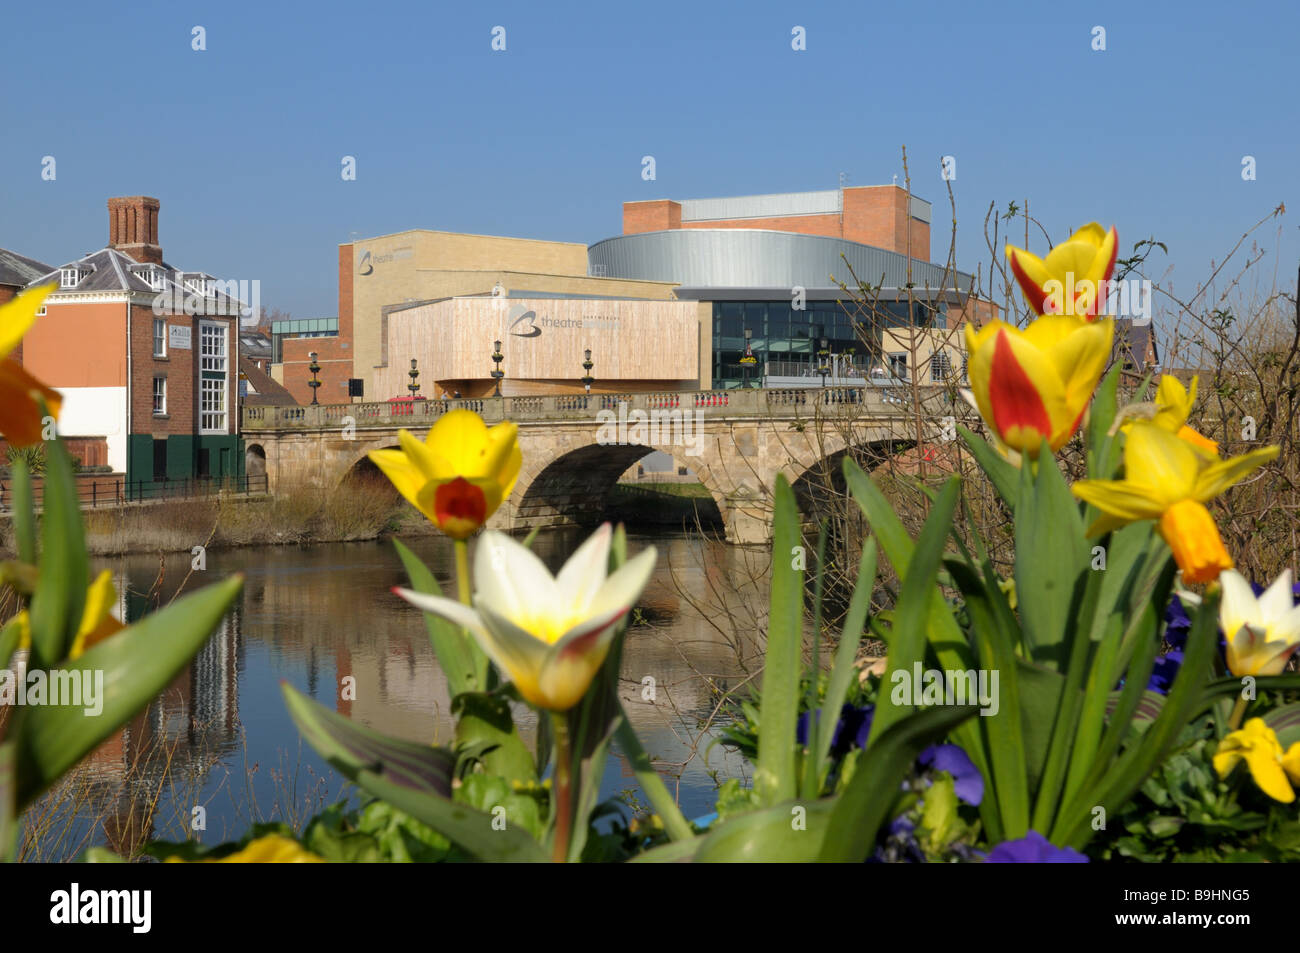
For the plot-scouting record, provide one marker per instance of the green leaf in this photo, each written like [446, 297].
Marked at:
[352, 748]
[661, 799]
[792, 833]
[136, 664]
[1104, 449]
[60, 597]
[907, 648]
[675, 852]
[23, 512]
[775, 778]
[1285, 722]
[846, 653]
[865, 804]
[1002, 473]
[1050, 550]
[485, 719]
[459, 656]
[9, 636]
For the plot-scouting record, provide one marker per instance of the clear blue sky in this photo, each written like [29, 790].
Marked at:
[242, 143]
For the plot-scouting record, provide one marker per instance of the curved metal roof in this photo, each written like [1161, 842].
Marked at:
[751, 257]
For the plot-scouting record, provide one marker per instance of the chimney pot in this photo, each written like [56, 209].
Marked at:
[133, 227]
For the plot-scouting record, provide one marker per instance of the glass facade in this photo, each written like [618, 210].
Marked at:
[786, 340]
[300, 328]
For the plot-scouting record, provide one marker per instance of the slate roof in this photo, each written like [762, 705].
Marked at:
[19, 270]
[263, 391]
[1132, 344]
[110, 270]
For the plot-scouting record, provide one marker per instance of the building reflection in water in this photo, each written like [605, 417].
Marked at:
[315, 615]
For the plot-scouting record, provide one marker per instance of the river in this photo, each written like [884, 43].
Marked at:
[220, 739]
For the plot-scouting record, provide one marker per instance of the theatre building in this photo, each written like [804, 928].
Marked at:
[695, 294]
[144, 355]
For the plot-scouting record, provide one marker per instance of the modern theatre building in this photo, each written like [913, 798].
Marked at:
[704, 293]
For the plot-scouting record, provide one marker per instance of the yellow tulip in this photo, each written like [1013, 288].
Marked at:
[97, 622]
[1166, 479]
[547, 634]
[270, 849]
[1073, 278]
[1034, 384]
[460, 473]
[1257, 745]
[20, 393]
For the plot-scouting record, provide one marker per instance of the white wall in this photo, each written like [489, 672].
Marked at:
[96, 412]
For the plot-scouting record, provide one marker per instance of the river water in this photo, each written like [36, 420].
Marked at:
[219, 739]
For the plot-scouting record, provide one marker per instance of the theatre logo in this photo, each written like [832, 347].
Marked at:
[524, 322]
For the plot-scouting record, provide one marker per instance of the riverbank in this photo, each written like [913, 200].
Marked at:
[360, 511]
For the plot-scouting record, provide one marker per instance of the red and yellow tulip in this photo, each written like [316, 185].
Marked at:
[1071, 279]
[1168, 480]
[1274, 771]
[21, 394]
[459, 474]
[1034, 384]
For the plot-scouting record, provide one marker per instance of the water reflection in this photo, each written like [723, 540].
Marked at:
[220, 737]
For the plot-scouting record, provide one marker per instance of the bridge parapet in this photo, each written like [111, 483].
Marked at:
[855, 400]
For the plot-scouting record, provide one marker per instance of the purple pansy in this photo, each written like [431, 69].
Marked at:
[1034, 848]
[1164, 672]
[967, 781]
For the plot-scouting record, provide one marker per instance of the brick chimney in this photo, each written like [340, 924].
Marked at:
[133, 227]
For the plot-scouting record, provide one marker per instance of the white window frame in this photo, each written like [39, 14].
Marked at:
[214, 413]
[160, 410]
[940, 366]
[159, 340]
[69, 277]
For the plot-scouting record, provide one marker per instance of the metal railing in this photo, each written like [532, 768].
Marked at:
[97, 493]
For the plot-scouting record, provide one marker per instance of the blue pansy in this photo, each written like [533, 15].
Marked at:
[1034, 848]
[967, 781]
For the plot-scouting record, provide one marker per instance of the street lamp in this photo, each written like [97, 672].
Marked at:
[822, 355]
[497, 358]
[748, 360]
[313, 383]
[587, 379]
[414, 375]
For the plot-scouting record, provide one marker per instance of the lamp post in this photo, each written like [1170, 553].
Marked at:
[587, 379]
[747, 360]
[414, 375]
[497, 358]
[822, 354]
[314, 383]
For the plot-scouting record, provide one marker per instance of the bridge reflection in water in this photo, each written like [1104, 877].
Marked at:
[220, 737]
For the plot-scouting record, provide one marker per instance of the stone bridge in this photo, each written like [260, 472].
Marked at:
[576, 447]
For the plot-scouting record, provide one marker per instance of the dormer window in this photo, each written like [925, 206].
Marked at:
[70, 277]
[198, 286]
[153, 277]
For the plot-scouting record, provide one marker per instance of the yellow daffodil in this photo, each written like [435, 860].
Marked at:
[20, 393]
[1257, 744]
[547, 634]
[270, 849]
[1165, 479]
[97, 622]
[1173, 406]
[1261, 633]
[1035, 384]
[460, 473]
[1069, 280]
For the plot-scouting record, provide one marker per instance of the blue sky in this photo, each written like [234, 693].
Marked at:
[242, 143]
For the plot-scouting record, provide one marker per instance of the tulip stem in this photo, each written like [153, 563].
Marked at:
[462, 570]
[563, 786]
[1238, 710]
